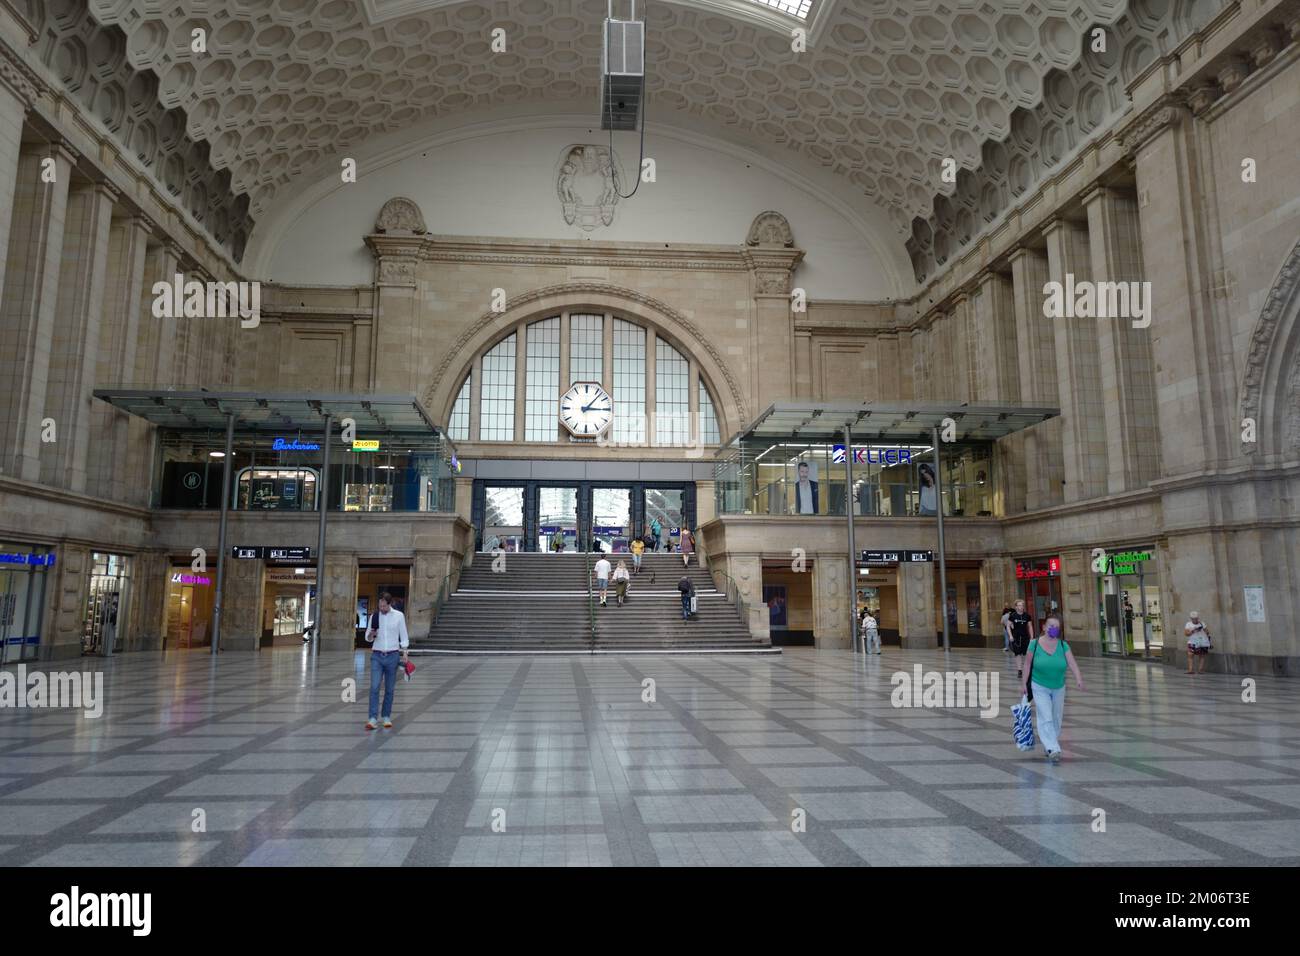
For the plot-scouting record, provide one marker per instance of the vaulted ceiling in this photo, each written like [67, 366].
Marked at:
[886, 91]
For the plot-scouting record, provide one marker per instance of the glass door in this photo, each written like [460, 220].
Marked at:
[106, 609]
[664, 505]
[503, 519]
[557, 519]
[611, 513]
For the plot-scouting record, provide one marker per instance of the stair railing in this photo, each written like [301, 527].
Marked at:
[731, 589]
[591, 603]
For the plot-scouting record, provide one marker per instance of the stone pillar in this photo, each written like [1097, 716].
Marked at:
[338, 597]
[17, 89]
[996, 378]
[747, 571]
[65, 615]
[832, 592]
[427, 573]
[396, 243]
[241, 609]
[1124, 352]
[771, 257]
[1079, 600]
[1078, 372]
[148, 610]
[916, 605]
[74, 347]
[27, 305]
[997, 588]
[115, 452]
[1195, 382]
[1036, 354]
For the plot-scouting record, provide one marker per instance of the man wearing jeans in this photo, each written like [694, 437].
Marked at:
[388, 634]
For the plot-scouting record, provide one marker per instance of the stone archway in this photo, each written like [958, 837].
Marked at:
[1270, 387]
[731, 407]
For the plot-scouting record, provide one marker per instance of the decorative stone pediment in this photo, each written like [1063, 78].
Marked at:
[587, 183]
[401, 215]
[770, 229]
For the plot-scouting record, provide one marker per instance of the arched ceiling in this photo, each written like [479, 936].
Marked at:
[886, 91]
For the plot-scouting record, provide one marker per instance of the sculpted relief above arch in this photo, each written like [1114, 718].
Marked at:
[1269, 388]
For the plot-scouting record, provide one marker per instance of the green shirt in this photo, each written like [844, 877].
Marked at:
[1049, 669]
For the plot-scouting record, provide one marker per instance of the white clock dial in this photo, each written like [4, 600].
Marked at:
[586, 409]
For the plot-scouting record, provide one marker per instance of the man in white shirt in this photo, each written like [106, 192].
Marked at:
[389, 637]
[601, 570]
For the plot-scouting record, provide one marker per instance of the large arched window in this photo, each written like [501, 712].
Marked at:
[512, 393]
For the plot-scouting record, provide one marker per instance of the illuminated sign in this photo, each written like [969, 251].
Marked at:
[1025, 570]
[370, 444]
[1126, 562]
[873, 456]
[896, 557]
[281, 445]
[179, 578]
[32, 560]
[271, 554]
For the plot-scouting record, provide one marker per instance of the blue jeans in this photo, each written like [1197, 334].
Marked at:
[636, 560]
[686, 606]
[383, 665]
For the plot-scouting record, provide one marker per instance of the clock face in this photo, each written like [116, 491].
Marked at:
[586, 409]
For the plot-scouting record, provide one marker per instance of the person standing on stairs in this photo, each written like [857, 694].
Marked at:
[637, 547]
[688, 545]
[621, 578]
[687, 588]
[657, 530]
[601, 570]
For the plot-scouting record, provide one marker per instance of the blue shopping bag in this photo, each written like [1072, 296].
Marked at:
[1022, 726]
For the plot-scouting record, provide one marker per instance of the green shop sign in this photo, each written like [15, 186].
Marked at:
[1126, 562]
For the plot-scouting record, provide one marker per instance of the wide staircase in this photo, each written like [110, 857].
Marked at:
[539, 603]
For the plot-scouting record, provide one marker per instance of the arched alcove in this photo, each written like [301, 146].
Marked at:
[1270, 389]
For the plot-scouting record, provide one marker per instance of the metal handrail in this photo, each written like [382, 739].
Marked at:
[731, 589]
[591, 603]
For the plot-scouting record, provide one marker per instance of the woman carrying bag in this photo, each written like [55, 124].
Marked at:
[1044, 683]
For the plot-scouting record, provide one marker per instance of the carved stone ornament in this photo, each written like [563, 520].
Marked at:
[587, 183]
[1269, 334]
[397, 271]
[401, 215]
[1166, 112]
[770, 229]
[772, 283]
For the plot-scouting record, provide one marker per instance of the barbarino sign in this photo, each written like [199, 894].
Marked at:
[84, 691]
[208, 300]
[1085, 299]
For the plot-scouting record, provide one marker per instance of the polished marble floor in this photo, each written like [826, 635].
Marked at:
[798, 760]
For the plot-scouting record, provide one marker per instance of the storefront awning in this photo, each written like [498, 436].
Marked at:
[280, 412]
[890, 421]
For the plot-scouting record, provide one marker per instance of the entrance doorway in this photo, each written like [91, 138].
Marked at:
[288, 605]
[557, 514]
[106, 610]
[372, 581]
[22, 599]
[503, 520]
[1040, 586]
[877, 591]
[667, 505]
[190, 597]
[611, 518]
[1128, 611]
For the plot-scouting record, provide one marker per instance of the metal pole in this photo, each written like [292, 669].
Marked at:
[943, 563]
[322, 501]
[222, 557]
[853, 563]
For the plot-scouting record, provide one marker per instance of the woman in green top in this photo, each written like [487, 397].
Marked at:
[1048, 658]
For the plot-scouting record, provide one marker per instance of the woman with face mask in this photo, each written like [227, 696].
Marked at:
[1045, 667]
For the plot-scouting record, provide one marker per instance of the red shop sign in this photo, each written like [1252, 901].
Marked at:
[1025, 570]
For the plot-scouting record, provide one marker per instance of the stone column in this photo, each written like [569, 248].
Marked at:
[65, 614]
[1124, 352]
[832, 592]
[1036, 354]
[1079, 600]
[74, 347]
[1195, 382]
[993, 327]
[771, 258]
[1078, 372]
[395, 313]
[747, 571]
[916, 605]
[114, 455]
[241, 610]
[338, 597]
[18, 87]
[997, 587]
[27, 305]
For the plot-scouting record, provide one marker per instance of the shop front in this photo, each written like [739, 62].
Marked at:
[1038, 583]
[107, 608]
[1129, 613]
[374, 579]
[877, 593]
[961, 604]
[288, 604]
[190, 596]
[23, 573]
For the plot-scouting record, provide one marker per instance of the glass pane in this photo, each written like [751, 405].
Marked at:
[497, 405]
[586, 348]
[503, 520]
[672, 396]
[708, 418]
[459, 426]
[557, 514]
[611, 517]
[665, 506]
[629, 382]
[543, 390]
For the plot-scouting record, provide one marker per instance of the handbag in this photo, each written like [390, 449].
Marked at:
[1022, 726]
